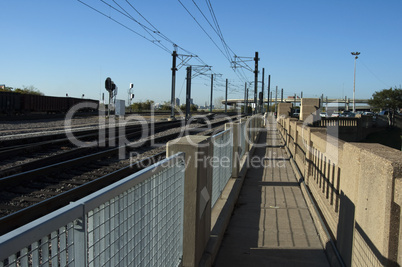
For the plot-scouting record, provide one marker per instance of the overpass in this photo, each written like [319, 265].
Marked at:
[283, 194]
[298, 100]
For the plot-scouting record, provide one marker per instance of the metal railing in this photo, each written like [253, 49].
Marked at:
[337, 122]
[222, 162]
[137, 221]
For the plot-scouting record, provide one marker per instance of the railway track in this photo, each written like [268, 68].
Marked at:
[30, 192]
[45, 150]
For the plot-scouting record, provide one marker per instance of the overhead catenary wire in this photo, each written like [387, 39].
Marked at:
[124, 16]
[152, 31]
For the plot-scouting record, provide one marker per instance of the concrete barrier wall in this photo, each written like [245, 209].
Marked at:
[204, 225]
[357, 188]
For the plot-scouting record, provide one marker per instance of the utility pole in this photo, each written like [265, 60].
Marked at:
[255, 81]
[226, 97]
[322, 101]
[188, 93]
[269, 90]
[281, 95]
[173, 97]
[212, 89]
[262, 90]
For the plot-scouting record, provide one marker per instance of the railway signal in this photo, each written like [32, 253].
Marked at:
[112, 89]
[130, 95]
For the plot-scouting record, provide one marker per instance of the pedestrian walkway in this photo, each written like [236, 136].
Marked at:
[271, 224]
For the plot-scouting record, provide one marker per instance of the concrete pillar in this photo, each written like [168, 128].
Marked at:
[284, 109]
[197, 194]
[308, 106]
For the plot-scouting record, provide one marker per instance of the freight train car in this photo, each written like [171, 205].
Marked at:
[10, 102]
[15, 103]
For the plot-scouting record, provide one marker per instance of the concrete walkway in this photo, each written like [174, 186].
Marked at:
[271, 225]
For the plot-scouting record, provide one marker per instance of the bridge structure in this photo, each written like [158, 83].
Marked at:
[265, 191]
[346, 102]
[297, 100]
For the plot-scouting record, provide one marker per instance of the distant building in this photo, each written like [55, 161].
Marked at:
[191, 101]
[177, 102]
[2, 86]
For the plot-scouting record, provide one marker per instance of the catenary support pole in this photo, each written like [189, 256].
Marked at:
[255, 82]
[212, 89]
[226, 97]
[173, 97]
[245, 97]
[269, 91]
[262, 90]
[188, 93]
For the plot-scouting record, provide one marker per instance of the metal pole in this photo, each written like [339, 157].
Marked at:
[276, 98]
[212, 89]
[262, 90]
[281, 95]
[173, 97]
[354, 79]
[226, 97]
[269, 89]
[188, 92]
[354, 84]
[255, 81]
[322, 101]
[245, 97]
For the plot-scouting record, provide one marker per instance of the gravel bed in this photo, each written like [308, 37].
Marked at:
[21, 128]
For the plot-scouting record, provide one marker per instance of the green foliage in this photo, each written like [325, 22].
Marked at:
[193, 108]
[165, 106]
[142, 106]
[31, 90]
[6, 89]
[387, 99]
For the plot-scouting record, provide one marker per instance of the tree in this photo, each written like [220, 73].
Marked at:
[166, 106]
[31, 90]
[6, 89]
[390, 99]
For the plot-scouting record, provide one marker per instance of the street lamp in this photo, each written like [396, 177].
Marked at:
[354, 80]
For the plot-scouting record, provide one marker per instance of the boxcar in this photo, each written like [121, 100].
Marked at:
[10, 103]
[14, 103]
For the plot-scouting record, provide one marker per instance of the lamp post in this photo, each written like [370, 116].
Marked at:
[354, 80]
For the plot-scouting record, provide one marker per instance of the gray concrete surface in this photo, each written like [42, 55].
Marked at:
[271, 224]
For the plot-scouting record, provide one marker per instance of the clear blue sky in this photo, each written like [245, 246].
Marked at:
[64, 46]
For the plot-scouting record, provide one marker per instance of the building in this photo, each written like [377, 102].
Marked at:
[2, 86]
[177, 102]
